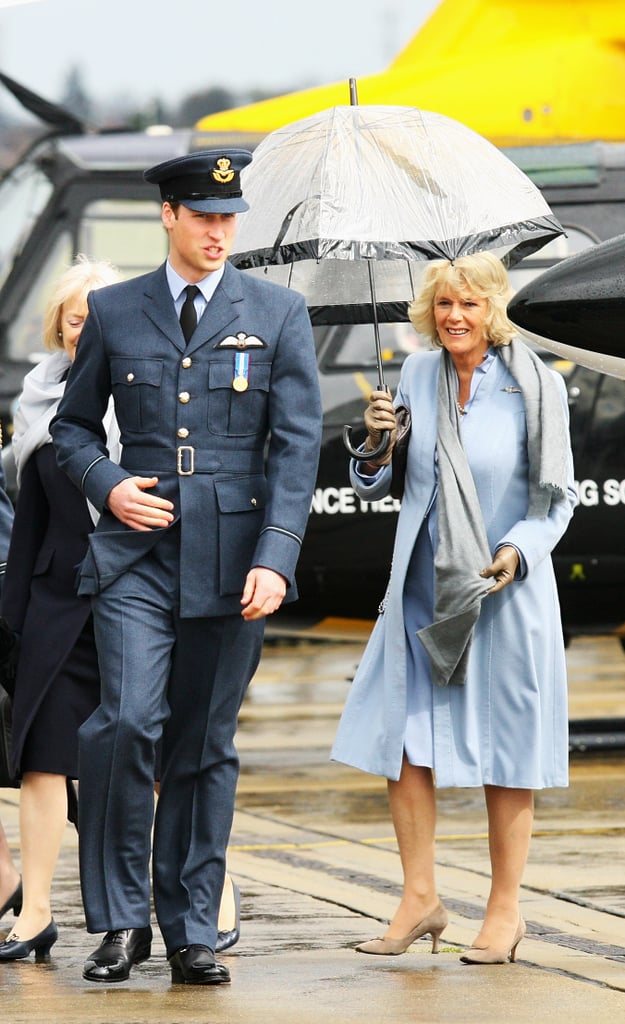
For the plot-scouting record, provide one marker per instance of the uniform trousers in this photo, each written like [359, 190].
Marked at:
[180, 681]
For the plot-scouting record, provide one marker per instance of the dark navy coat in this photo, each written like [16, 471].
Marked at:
[253, 453]
[39, 599]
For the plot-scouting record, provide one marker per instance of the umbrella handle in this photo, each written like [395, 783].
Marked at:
[366, 456]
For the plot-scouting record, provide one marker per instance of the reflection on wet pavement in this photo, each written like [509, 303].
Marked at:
[313, 852]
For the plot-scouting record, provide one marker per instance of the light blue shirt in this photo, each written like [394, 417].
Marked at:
[207, 286]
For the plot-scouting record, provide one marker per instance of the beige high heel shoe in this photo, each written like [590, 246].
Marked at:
[433, 924]
[475, 955]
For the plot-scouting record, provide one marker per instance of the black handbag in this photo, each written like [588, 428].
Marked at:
[8, 660]
[7, 779]
[400, 451]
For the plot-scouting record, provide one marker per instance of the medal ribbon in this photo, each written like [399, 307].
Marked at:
[242, 365]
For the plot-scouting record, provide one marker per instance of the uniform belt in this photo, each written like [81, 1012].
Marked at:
[187, 460]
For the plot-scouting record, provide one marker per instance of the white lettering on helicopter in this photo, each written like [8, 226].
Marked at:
[333, 501]
[587, 492]
[614, 492]
[590, 493]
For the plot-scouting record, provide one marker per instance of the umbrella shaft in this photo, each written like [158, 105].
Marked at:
[376, 329]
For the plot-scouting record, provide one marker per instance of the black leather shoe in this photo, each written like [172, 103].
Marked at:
[117, 953]
[14, 902]
[229, 936]
[195, 965]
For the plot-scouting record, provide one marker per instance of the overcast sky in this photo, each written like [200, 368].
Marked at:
[171, 48]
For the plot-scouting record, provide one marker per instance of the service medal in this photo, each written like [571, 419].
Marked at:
[241, 371]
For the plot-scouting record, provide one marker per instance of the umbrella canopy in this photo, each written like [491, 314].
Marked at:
[356, 188]
[394, 186]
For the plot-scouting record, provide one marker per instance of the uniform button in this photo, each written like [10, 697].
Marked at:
[182, 432]
[187, 362]
[254, 502]
[184, 397]
[130, 377]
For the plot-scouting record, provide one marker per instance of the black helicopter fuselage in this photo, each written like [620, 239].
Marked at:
[85, 193]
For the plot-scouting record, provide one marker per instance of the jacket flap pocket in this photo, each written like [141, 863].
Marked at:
[131, 371]
[42, 561]
[245, 494]
[221, 375]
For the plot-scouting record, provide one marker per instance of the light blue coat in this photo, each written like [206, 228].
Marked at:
[508, 725]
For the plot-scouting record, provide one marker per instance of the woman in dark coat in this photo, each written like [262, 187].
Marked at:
[57, 681]
[10, 881]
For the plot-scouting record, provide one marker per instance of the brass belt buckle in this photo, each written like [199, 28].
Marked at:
[180, 454]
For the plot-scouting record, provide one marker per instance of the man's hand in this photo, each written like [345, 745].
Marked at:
[503, 568]
[263, 593]
[133, 507]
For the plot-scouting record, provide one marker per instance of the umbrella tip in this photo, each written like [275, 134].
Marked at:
[353, 93]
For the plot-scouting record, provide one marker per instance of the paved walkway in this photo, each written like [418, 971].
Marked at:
[314, 856]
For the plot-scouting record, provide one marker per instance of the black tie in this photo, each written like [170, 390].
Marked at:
[188, 318]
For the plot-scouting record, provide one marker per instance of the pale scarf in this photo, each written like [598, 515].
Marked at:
[463, 549]
[42, 391]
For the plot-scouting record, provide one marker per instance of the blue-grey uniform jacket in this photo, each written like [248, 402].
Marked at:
[239, 465]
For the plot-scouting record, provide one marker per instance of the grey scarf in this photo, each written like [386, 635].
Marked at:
[42, 391]
[463, 549]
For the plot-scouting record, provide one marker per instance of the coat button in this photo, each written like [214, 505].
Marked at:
[187, 362]
[184, 397]
[130, 377]
[182, 432]
[254, 502]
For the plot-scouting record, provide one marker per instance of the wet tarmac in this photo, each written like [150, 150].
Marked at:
[314, 856]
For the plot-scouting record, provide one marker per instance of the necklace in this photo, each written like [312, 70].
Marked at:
[461, 409]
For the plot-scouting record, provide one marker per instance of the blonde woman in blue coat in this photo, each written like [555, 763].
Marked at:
[463, 681]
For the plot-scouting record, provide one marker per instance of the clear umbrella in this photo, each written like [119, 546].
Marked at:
[346, 205]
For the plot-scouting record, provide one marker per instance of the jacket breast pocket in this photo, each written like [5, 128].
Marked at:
[136, 387]
[233, 413]
[241, 504]
[59, 574]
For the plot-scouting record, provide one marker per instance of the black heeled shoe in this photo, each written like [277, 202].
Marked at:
[14, 902]
[229, 936]
[18, 949]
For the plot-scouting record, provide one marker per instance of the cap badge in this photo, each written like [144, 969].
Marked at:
[222, 173]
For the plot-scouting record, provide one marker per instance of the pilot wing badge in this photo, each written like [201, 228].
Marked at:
[241, 341]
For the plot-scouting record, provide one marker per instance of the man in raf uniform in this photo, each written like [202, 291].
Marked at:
[217, 398]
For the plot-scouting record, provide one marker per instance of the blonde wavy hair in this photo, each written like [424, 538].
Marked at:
[75, 283]
[484, 276]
